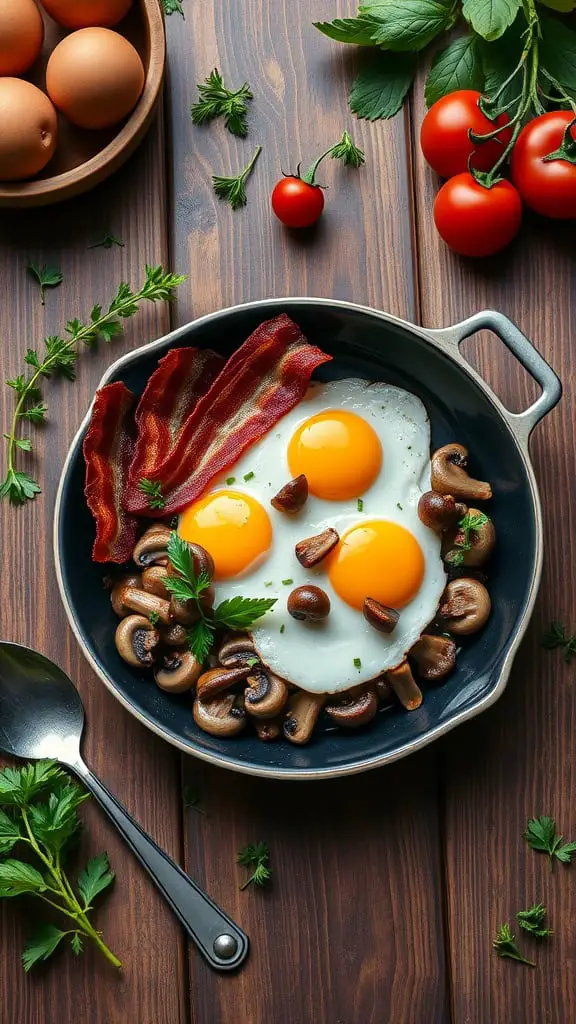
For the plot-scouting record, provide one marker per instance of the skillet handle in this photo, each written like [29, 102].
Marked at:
[522, 423]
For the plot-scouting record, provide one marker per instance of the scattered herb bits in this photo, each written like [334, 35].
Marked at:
[256, 858]
[233, 190]
[216, 100]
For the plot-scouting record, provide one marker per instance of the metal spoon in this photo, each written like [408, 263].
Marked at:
[41, 716]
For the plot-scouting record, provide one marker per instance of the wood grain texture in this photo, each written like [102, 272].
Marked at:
[137, 766]
[517, 760]
[351, 931]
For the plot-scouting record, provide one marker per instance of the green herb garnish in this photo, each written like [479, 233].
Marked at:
[230, 480]
[218, 101]
[282, 628]
[360, 505]
[233, 189]
[531, 921]
[153, 491]
[172, 7]
[192, 800]
[248, 476]
[557, 637]
[154, 618]
[60, 357]
[287, 583]
[255, 857]
[106, 241]
[47, 277]
[357, 663]
[40, 814]
[541, 836]
[467, 526]
[505, 945]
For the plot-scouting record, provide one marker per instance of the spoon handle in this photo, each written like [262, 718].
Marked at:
[223, 944]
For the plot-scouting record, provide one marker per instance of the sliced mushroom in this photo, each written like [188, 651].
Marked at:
[220, 717]
[379, 616]
[292, 497]
[136, 641]
[237, 650]
[151, 549]
[268, 729]
[302, 715]
[133, 580]
[312, 550]
[266, 694]
[153, 581]
[481, 539]
[405, 686]
[179, 672]
[449, 474]
[218, 680]
[384, 690]
[434, 655]
[465, 606]
[174, 635]
[186, 612]
[128, 599]
[439, 512]
[353, 711]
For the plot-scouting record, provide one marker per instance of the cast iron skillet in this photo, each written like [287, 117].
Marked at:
[375, 346]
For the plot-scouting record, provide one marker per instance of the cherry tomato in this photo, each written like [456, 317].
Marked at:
[546, 186]
[296, 203]
[477, 221]
[444, 137]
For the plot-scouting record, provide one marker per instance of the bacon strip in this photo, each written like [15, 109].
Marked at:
[265, 378]
[182, 376]
[108, 448]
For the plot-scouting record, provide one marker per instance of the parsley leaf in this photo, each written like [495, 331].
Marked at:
[233, 189]
[17, 878]
[505, 945]
[47, 277]
[218, 101]
[153, 490]
[96, 877]
[55, 821]
[531, 921]
[255, 857]
[41, 945]
[9, 833]
[467, 527]
[541, 835]
[242, 612]
[18, 786]
[200, 638]
[172, 7]
[556, 637]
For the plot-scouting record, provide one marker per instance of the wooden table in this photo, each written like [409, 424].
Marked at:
[388, 887]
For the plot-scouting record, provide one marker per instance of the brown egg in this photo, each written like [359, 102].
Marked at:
[28, 129]
[84, 13]
[21, 35]
[95, 77]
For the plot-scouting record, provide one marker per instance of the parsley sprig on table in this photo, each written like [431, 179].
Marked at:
[216, 100]
[233, 190]
[47, 277]
[557, 637]
[505, 945]
[172, 7]
[186, 585]
[39, 813]
[59, 357]
[106, 241]
[256, 857]
[541, 835]
[532, 921]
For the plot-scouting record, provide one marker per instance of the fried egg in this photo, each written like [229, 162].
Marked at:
[365, 451]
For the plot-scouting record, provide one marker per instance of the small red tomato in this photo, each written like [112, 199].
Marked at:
[546, 186]
[296, 203]
[474, 220]
[445, 140]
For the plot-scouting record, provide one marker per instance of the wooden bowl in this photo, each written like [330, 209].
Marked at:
[85, 158]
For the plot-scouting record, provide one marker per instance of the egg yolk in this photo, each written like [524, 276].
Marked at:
[233, 527]
[338, 452]
[377, 559]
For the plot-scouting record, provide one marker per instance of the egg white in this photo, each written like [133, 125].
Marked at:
[320, 657]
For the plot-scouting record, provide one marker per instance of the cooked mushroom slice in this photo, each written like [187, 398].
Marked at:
[384, 690]
[268, 729]
[405, 686]
[132, 599]
[449, 474]
[133, 580]
[292, 497]
[434, 655]
[302, 715]
[174, 635]
[136, 640]
[379, 616]
[439, 511]
[220, 717]
[481, 540]
[179, 672]
[151, 549]
[266, 694]
[353, 711]
[217, 680]
[464, 607]
[237, 650]
[153, 581]
[312, 550]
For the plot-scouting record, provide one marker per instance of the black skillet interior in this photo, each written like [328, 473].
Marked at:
[363, 345]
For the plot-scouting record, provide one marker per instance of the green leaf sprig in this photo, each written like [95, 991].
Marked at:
[186, 585]
[59, 357]
[467, 527]
[153, 491]
[233, 190]
[556, 637]
[256, 858]
[106, 241]
[505, 945]
[541, 835]
[46, 277]
[508, 45]
[532, 921]
[344, 150]
[172, 7]
[39, 813]
[216, 100]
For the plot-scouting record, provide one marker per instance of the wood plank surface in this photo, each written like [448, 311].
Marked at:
[351, 931]
[136, 765]
[517, 760]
